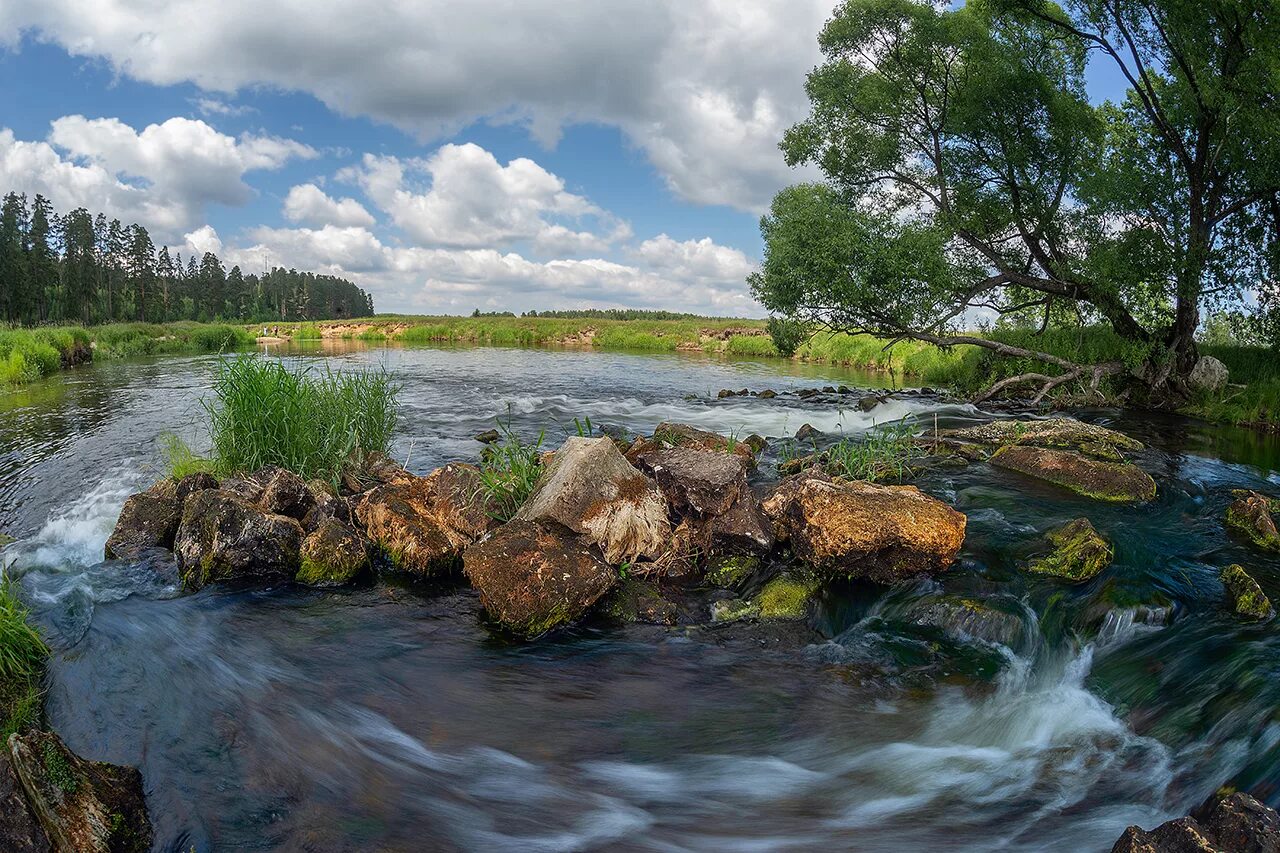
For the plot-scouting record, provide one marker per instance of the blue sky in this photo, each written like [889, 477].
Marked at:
[444, 155]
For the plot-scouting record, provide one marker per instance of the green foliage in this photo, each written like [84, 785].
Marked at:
[180, 459]
[756, 346]
[787, 335]
[509, 468]
[57, 769]
[22, 651]
[304, 420]
[308, 332]
[882, 453]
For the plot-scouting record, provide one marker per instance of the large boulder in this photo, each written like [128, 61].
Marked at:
[147, 520]
[423, 523]
[858, 529]
[223, 537]
[1209, 374]
[20, 829]
[534, 576]
[705, 482]
[1246, 597]
[1079, 553]
[285, 493]
[1117, 482]
[591, 489]
[83, 806]
[1234, 824]
[1252, 517]
[673, 434]
[331, 555]
[1060, 433]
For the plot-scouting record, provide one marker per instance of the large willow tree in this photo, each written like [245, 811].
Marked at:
[968, 175]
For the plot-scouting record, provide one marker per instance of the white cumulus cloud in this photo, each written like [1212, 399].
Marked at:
[309, 205]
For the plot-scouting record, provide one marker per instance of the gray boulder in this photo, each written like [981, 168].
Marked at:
[223, 537]
[1209, 374]
[147, 520]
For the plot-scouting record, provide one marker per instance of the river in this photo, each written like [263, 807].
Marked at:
[386, 717]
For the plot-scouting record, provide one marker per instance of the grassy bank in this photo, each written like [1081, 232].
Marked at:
[22, 658]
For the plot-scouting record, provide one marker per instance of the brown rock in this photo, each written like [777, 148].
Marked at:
[84, 806]
[222, 537]
[699, 481]
[1118, 482]
[423, 523]
[377, 469]
[192, 483]
[1252, 517]
[285, 493]
[146, 521]
[591, 489]
[332, 555]
[683, 435]
[20, 830]
[1234, 824]
[1061, 433]
[534, 576]
[857, 529]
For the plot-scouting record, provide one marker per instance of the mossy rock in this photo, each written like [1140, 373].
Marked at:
[1247, 598]
[787, 596]
[968, 617]
[731, 572]
[1080, 553]
[1115, 482]
[1253, 518]
[1060, 433]
[734, 609]
[332, 555]
[6, 539]
[642, 601]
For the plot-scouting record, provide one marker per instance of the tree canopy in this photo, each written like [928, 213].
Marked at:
[967, 175]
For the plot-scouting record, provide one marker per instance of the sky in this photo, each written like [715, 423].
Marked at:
[445, 155]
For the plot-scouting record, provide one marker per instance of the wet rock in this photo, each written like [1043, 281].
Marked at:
[857, 529]
[200, 481]
[757, 443]
[967, 617]
[83, 806]
[534, 576]
[1253, 517]
[285, 493]
[248, 486]
[1118, 482]
[489, 436]
[641, 601]
[733, 610]
[1079, 553]
[1209, 374]
[223, 537]
[868, 402]
[844, 389]
[725, 392]
[326, 506]
[332, 555]
[699, 481]
[767, 394]
[683, 435]
[807, 433]
[592, 490]
[805, 393]
[1121, 608]
[731, 572]
[1233, 824]
[1246, 597]
[743, 529]
[424, 523]
[146, 521]
[788, 597]
[20, 829]
[376, 469]
[1062, 433]
[828, 389]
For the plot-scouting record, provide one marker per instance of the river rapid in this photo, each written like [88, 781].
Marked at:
[387, 717]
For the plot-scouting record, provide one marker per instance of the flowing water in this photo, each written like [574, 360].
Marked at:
[387, 717]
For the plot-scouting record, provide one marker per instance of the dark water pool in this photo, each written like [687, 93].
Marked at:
[388, 718]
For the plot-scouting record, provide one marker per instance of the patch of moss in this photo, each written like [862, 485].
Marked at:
[732, 572]
[57, 769]
[317, 573]
[1246, 596]
[1241, 521]
[786, 597]
[1080, 553]
[734, 609]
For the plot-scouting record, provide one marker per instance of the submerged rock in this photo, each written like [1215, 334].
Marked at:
[222, 537]
[424, 523]
[489, 436]
[147, 520]
[332, 555]
[1062, 433]
[1234, 824]
[534, 576]
[591, 489]
[84, 806]
[1119, 482]
[969, 617]
[857, 529]
[1247, 598]
[636, 600]
[1252, 516]
[20, 829]
[1079, 553]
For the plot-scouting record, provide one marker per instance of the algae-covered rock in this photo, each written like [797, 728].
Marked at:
[84, 806]
[1233, 824]
[20, 829]
[146, 521]
[222, 537]
[788, 596]
[332, 555]
[968, 617]
[857, 529]
[591, 489]
[534, 576]
[1061, 433]
[636, 600]
[1079, 553]
[423, 523]
[1119, 482]
[1247, 598]
[731, 572]
[1252, 517]
[734, 609]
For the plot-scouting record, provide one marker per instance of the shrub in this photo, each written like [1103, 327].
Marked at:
[787, 334]
[308, 332]
[307, 421]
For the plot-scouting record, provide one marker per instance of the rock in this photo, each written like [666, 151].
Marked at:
[1247, 598]
[844, 389]
[489, 436]
[146, 521]
[731, 572]
[1233, 824]
[1252, 517]
[857, 529]
[424, 523]
[332, 555]
[592, 490]
[1208, 375]
[683, 435]
[725, 392]
[20, 830]
[84, 806]
[248, 487]
[741, 530]
[966, 617]
[376, 469]
[767, 394]
[223, 537]
[200, 481]
[1119, 482]
[1061, 433]
[699, 481]
[807, 432]
[286, 494]
[326, 504]
[1079, 554]
[787, 596]
[828, 389]
[641, 601]
[756, 442]
[868, 402]
[734, 609]
[536, 575]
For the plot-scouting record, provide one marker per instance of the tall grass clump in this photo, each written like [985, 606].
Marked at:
[308, 332]
[308, 421]
[759, 346]
[509, 468]
[22, 659]
[30, 354]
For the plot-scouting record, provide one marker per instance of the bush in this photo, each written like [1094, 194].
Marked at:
[787, 335]
[309, 422]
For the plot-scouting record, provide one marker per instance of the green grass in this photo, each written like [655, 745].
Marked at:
[308, 332]
[308, 421]
[180, 459]
[509, 468]
[22, 658]
[881, 454]
[756, 346]
[30, 354]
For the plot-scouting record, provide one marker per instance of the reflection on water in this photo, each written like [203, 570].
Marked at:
[387, 718]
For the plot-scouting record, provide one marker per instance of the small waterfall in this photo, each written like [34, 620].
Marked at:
[1122, 624]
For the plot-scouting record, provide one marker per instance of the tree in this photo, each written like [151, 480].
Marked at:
[141, 264]
[14, 281]
[966, 170]
[41, 263]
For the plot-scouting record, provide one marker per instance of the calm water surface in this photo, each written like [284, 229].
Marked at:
[388, 718]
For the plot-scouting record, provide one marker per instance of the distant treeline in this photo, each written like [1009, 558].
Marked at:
[81, 268]
[600, 314]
